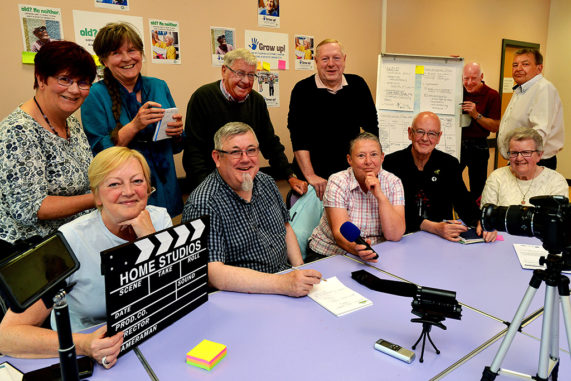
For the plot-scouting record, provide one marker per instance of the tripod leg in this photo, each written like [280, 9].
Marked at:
[431, 342]
[417, 341]
[424, 333]
[515, 324]
[554, 354]
[566, 308]
[545, 345]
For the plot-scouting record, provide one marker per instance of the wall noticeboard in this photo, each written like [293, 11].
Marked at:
[156, 280]
[409, 84]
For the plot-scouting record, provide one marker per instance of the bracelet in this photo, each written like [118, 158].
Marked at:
[480, 116]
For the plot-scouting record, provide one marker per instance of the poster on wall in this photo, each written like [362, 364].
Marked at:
[122, 5]
[221, 42]
[269, 87]
[40, 25]
[87, 24]
[269, 13]
[165, 41]
[304, 51]
[268, 47]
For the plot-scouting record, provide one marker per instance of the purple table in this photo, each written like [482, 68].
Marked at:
[487, 277]
[127, 368]
[282, 338]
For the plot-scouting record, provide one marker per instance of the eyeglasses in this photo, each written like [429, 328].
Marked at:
[431, 134]
[242, 74]
[40, 29]
[237, 154]
[514, 154]
[67, 82]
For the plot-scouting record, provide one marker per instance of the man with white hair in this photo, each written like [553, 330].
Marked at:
[483, 105]
[250, 237]
[231, 100]
[326, 111]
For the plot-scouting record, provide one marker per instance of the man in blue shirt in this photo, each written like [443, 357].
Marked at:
[250, 236]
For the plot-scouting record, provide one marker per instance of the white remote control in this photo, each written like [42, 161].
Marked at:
[394, 350]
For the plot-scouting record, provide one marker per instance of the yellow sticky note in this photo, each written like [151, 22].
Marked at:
[266, 66]
[207, 350]
[419, 69]
[96, 59]
[259, 66]
[28, 57]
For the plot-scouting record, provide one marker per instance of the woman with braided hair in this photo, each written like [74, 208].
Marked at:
[123, 109]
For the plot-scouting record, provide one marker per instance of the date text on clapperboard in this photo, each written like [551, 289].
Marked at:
[156, 280]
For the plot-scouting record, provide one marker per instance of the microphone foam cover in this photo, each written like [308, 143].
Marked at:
[349, 231]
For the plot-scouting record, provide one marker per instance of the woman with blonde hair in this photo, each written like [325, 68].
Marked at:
[120, 181]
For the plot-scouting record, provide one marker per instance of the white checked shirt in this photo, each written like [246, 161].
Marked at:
[343, 191]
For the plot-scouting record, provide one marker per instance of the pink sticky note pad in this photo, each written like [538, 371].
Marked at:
[281, 64]
[499, 237]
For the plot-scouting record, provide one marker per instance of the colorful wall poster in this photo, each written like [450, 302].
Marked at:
[269, 47]
[40, 25]
[165, 43]
[222, 41]
[304, 52]
[269, 13]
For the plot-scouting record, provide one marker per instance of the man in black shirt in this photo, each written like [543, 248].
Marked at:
[433, 184]
[326, 111]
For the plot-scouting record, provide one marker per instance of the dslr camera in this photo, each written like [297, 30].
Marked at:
[549, 220]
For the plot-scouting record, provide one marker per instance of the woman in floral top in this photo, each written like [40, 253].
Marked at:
[44, 154]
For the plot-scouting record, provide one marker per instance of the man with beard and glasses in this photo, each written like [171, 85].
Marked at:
[250, 237]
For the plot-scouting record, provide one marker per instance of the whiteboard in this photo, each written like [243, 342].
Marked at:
[409, 84]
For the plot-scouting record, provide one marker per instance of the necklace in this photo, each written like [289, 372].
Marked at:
[49, 124]
[526, 192]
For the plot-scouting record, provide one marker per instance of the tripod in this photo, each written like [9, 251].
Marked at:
[549, 346]
[427, 321]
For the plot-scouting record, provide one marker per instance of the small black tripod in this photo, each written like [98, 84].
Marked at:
[427, 321]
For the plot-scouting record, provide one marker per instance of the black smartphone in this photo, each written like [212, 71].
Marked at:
[53, 372]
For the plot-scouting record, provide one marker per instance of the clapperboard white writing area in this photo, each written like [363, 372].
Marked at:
[156, 280]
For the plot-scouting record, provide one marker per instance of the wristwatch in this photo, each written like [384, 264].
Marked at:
[480, 116]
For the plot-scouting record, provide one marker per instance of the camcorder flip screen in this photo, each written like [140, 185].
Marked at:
[25, 277]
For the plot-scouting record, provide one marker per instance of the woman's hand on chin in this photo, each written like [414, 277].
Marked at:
[141, 225]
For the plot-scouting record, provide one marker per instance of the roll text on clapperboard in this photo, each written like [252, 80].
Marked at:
[156, 280]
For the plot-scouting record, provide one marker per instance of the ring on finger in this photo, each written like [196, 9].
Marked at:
[104, 362]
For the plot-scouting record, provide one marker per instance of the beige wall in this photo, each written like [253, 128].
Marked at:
[358, 27]
[557, 70]
[472, 29]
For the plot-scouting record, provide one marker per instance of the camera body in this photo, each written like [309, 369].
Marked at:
[548, 220]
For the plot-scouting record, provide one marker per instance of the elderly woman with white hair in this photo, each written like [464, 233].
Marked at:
[523, 178]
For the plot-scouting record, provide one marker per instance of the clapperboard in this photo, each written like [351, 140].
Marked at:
[156, 280]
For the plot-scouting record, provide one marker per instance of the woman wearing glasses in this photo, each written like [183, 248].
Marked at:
[123, 109]
[523, 178]
[44, 154]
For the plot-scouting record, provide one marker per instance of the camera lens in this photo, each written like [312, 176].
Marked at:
[514, 219]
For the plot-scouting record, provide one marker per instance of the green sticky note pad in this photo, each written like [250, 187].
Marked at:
[28, 57]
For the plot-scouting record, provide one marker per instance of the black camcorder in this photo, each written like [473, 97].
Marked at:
[548, 220]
